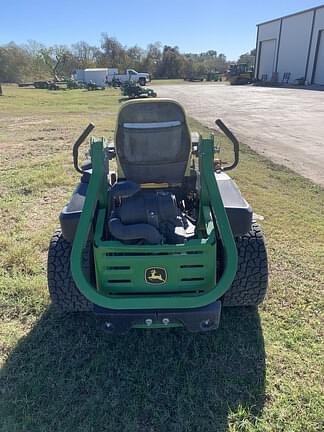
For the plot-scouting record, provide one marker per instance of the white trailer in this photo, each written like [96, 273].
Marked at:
[78, 75]
[103, 76]
[95, 75]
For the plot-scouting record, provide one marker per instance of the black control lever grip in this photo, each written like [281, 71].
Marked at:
[235, 142]
[77, 144]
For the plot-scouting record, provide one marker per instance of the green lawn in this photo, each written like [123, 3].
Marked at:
[261, 371]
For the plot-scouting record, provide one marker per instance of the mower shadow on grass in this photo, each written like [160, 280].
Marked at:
[66, 374]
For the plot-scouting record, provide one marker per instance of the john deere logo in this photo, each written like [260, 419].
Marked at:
[155, 275]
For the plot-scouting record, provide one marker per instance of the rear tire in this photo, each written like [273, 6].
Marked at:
[251, 281]
[63, 291]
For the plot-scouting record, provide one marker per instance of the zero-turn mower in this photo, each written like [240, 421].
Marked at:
[168, 239]
[134, 90]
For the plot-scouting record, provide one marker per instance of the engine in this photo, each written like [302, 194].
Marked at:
[146, 216]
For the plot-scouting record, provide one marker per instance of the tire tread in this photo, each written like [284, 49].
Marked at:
[63, 292]
[251, 281]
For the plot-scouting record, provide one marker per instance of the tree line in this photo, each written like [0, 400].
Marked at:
[34, 61]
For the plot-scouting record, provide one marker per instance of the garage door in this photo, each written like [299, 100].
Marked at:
[319, 71]
[267, 58]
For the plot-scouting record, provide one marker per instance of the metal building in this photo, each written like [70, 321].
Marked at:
[292, 47]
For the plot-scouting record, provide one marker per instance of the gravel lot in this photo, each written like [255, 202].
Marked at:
[286, 125]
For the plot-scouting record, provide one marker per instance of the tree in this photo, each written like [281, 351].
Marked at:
[135, 56]
[37, 69]
[85, 55]
[59, 61]
[188, 67]
[210, 53]
[152, 59]
[113, 53]
[248, 58]
[34, 61]
[172, 64]
[15, 63]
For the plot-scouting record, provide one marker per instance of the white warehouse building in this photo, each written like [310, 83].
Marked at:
[292, 47]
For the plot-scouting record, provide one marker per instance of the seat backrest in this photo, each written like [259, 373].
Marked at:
[153, 141]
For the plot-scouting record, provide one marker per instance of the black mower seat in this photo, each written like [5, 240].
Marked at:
[153, 141]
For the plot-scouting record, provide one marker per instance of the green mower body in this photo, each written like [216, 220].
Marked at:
[146, 271]
[134, 90]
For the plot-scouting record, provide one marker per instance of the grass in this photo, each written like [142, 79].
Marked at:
[262, 371]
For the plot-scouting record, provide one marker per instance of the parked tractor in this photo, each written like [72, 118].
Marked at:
[214, 76]
[240, 74]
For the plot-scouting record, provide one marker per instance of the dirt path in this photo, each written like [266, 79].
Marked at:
[286, 125]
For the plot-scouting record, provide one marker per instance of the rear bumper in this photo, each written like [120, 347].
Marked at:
[194, 320]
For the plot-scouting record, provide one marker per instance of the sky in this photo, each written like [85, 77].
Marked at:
[228, 27]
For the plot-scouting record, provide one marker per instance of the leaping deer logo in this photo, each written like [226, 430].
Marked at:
[155, 275]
